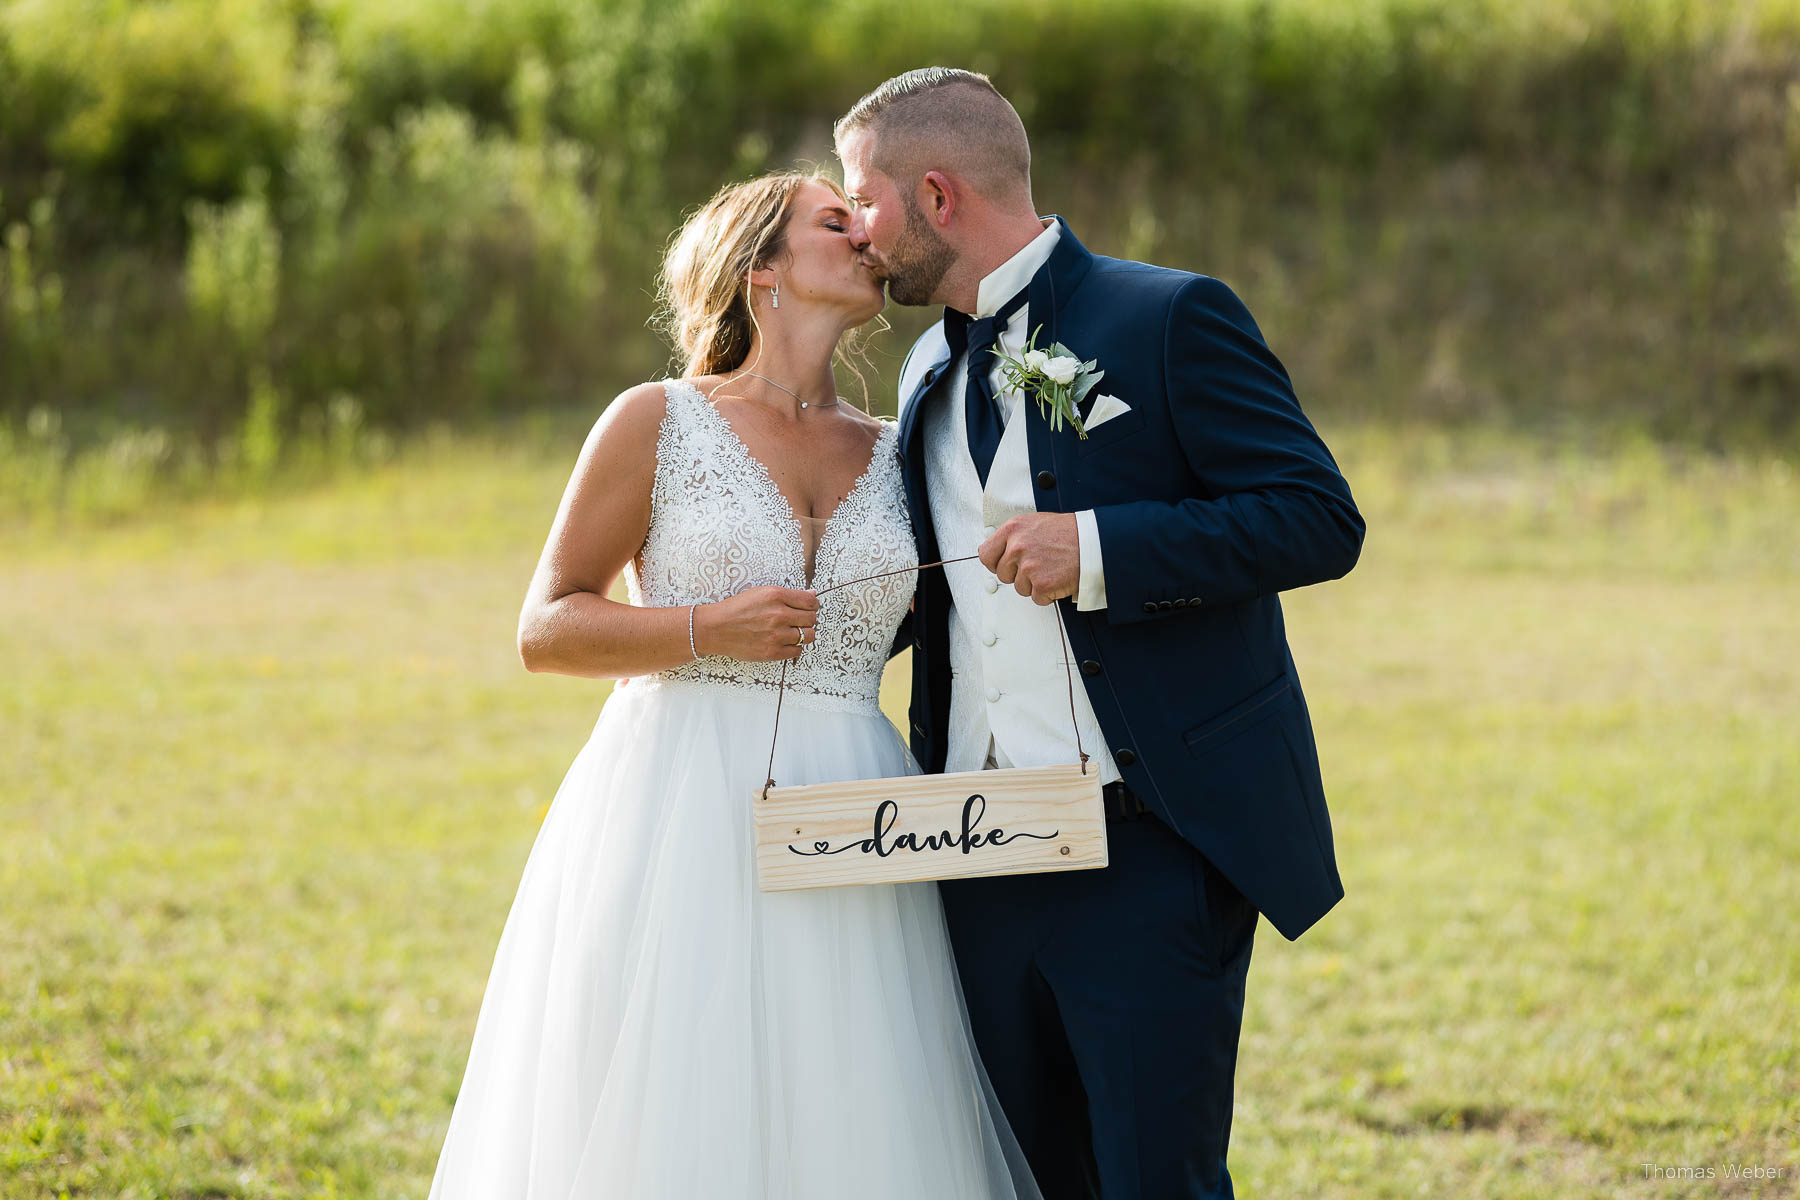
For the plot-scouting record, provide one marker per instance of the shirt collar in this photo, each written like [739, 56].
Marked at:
[1014, 275]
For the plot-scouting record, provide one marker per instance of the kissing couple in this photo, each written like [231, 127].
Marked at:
[654, 1026]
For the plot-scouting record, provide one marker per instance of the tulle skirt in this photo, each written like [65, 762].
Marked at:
[655, 1028]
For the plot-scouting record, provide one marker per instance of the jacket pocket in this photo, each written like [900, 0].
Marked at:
[1109, 432]
[1246, 714]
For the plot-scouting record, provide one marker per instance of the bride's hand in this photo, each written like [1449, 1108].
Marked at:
[763, 624]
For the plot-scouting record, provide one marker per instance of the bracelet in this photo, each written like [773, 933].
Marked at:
[691, 645]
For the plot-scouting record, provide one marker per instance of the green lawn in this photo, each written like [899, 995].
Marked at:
[271, 768]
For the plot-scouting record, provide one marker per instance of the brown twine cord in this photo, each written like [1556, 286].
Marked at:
[1061, 633]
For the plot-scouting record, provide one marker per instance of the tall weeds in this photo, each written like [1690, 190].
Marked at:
[229, 220]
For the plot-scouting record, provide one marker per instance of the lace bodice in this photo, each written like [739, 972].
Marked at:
[719, 525]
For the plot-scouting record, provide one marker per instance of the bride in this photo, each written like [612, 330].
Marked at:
[654, 1027]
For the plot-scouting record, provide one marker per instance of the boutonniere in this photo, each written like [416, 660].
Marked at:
[1055, 378]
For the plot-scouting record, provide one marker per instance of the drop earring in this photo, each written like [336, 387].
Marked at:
[775, 296]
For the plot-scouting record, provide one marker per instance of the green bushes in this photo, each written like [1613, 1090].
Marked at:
[33, 297]
[227, 215]
[467, 270]
[1793, 249]
[166, 100]
[149, 103]
[434, 266]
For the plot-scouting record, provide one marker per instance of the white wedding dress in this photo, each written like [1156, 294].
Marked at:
[654, 1027]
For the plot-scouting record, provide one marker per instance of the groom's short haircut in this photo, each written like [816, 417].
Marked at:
[944, 118]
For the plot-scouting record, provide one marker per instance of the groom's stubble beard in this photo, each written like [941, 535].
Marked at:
[918, 264]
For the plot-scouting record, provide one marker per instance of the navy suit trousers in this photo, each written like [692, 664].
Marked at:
[1106, 1005]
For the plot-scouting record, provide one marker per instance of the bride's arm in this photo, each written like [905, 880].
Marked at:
[568, 626]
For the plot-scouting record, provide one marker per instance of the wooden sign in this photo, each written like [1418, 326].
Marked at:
[1013, 821]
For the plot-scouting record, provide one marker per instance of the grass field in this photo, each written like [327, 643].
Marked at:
[269, 771]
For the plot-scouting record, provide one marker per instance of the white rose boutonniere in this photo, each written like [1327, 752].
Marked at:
[1057, 379]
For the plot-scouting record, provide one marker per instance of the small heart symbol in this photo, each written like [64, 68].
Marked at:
[821, 847]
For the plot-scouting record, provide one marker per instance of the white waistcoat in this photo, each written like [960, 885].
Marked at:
[1007, 653]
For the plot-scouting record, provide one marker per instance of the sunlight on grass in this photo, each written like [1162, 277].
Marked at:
[272, 768]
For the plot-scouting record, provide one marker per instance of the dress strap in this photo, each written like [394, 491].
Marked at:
[686, 444]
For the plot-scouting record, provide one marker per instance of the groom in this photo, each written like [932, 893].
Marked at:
[1106, 1004]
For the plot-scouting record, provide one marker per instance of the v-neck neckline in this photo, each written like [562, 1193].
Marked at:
[766, 479]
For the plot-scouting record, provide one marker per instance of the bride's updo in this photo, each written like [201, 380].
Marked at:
[704, 289]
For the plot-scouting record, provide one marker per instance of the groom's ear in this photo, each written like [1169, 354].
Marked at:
[937, 197]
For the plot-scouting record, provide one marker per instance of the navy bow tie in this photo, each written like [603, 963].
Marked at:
[977, 338]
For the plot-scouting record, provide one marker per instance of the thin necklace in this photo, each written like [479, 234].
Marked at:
[791, 391]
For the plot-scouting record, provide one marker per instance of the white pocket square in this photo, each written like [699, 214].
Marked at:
[1104, 410]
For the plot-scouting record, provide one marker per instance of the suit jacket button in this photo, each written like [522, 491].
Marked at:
[1166, 605]
[1124, 756]
[1195, 601]
[1149, 606]
[1046, 480]
[1090, 667]
[1181, 604]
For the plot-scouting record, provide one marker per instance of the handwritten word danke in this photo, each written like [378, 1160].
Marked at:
[885, 842]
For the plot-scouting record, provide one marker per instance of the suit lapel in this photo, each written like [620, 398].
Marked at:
[913, 400]
[912, 446]
[1051, 289]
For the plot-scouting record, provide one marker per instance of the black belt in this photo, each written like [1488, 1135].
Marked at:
[1122, 804]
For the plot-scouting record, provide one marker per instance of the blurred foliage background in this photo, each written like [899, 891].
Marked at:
[246, 239]
[305, 306]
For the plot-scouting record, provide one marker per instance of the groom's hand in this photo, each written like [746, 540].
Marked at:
[1038, 553]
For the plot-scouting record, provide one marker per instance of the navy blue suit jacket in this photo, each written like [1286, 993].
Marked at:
[1212, 495]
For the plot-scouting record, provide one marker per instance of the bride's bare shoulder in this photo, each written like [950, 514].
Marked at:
[629, 426]
[642, 399]
[636, 411]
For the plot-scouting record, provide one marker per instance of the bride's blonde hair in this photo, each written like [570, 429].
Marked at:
[704, 288]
